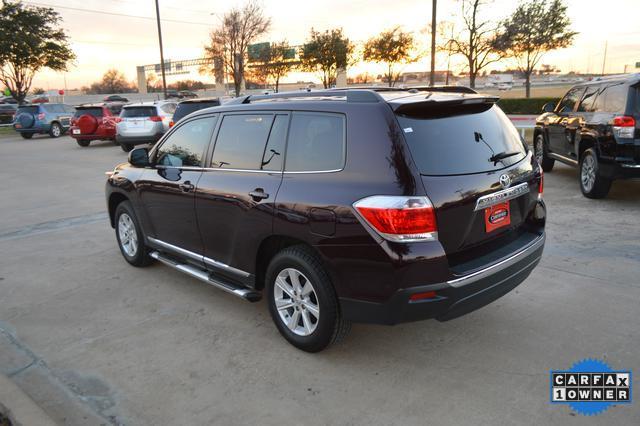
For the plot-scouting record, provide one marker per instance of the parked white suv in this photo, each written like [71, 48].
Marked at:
[143, 123]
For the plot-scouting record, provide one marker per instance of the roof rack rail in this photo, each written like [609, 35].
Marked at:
[351, 95]
[415, 89]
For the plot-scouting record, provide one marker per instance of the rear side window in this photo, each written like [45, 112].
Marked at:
[96, 112]
[588, 100]
[168, 108]
[463, 143]
[186, 145]
[614, 98]
[316, 142]
[188, 107]
[139, 112]
[115, 109]
[32, 109]
[567, 103]
[241, 141]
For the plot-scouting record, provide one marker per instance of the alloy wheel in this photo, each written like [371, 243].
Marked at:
[296, 302]
[55, 130]
[588, 173]
[127, 235]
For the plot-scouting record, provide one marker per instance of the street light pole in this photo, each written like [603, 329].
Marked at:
[432, 77]
[164, 79]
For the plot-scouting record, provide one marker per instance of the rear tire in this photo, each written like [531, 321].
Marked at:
[540, 151]
[129, 235]
[306, 313]
[83, 143]
[55, 131]
[26, 135]
[592, 183]
[126, 147]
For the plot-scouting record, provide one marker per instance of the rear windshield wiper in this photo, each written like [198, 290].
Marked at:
[502, 155]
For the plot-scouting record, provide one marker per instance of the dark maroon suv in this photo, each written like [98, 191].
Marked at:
[379, 206]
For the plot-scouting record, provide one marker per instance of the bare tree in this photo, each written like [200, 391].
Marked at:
[476, 42]
[535, 27]
[239, 28]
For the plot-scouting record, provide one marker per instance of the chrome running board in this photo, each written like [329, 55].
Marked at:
[202, 275]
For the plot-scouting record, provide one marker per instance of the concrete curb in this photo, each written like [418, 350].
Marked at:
[19, 407]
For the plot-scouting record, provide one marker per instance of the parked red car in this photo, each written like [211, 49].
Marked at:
[95, 122]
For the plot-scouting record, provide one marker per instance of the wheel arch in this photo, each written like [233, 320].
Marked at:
[586, 141]
[114, 200]
[271, 246]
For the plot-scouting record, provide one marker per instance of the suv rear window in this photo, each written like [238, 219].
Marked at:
[462, 144]
[95, 111]
[30, 109]
[139, 111]
[187, 108]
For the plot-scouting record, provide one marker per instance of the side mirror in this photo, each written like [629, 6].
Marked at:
[139, 157]
[549, 107]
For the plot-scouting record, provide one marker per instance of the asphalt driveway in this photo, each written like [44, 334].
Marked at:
[94, 340]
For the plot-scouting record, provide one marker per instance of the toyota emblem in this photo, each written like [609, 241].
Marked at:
[505, 181]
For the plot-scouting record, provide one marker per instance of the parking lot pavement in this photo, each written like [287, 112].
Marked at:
[151, 346]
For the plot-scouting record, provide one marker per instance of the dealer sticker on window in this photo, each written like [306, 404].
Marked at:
[590, 387]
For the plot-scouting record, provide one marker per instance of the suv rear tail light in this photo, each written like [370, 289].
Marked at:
[624, 126]
[41, 116]
[155, 118]
[541, 184]
[399, 218]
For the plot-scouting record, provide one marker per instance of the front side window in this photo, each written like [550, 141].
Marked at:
[241, 142]
[186, 145]
[316, 142]
[569, 101]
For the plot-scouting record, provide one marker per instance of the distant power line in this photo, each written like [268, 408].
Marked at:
[124, 15]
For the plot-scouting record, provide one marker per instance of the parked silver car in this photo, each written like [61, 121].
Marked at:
[143, 123]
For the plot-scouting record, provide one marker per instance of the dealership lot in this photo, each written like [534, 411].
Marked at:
[118, 344]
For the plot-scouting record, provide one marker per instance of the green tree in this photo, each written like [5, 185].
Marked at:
[326, 53]
[392, 47]
[476, 41]
[230, 41]
[30, 40]
[274, 62]
[535, 27]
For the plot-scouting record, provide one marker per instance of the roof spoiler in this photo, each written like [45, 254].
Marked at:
[409, 108]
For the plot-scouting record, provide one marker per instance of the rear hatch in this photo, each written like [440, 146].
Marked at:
[464, 146]
[138, 120]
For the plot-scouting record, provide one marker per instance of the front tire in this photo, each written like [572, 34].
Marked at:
[592, 183]
[129, 235]
[540, 151]
[302, 300]
[55, 131]
[26, 135]
[83, 143]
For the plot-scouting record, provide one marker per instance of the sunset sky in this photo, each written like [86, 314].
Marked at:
[102, 41]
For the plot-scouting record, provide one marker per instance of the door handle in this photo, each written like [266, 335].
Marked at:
[258, 194]
[186, 186]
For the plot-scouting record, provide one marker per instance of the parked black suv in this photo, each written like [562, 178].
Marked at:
[342, 205]
[595, 126]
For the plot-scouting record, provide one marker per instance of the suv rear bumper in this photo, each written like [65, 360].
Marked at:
[138, 140]
[453, 298]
